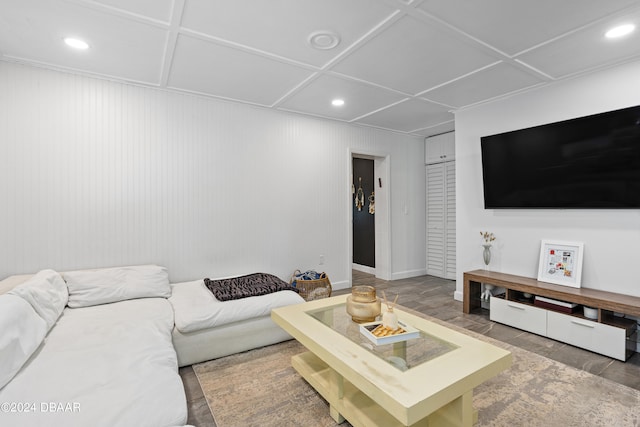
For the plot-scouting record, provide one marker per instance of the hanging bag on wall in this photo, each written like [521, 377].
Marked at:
[311, 284]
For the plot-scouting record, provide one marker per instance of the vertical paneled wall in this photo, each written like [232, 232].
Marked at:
[98, 173]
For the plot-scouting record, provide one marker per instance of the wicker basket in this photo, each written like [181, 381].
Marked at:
[312, 289]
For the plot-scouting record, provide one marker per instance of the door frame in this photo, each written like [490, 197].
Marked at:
[381, 173]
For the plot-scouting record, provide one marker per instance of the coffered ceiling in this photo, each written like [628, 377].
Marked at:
[398, 65]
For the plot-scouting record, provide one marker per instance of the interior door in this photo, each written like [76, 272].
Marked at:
[436, 244]
[364, 242]
[441, 220]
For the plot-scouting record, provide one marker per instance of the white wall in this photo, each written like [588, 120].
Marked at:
[611, 237]
[98, 173]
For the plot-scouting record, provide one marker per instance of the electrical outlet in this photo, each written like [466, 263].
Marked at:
[321, 259]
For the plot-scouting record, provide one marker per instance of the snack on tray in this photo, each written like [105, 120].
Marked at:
[384, 331]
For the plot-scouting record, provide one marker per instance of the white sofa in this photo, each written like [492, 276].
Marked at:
[206, 328]
[103, 348]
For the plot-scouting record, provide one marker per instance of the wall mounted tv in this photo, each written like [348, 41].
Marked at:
[589, 162]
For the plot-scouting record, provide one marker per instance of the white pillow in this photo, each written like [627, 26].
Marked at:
[47, 293]
[93, 287]
[22, 332]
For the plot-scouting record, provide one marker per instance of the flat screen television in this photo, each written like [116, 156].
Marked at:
[590, 162]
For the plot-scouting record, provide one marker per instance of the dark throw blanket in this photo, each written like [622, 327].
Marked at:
[251, 285]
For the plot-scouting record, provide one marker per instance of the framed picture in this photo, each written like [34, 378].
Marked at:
[561, 262]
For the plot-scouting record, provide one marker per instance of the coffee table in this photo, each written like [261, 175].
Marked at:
[423, 381]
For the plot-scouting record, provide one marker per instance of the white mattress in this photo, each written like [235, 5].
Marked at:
[196, 308]
[107, 365]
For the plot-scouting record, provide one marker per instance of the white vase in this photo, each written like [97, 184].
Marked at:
[390, 319]
[486, 254]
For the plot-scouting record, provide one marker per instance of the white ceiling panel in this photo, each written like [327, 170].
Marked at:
[401, 65]
[586, 49]
[359, 98]
[34, 30]
[436, 130]
[408, 116]
[283, 27]
[513, 26]
[206, 67]
[155, 9]
[488, 83]
[412, 57]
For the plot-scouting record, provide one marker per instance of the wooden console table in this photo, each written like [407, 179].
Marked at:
[515, 309]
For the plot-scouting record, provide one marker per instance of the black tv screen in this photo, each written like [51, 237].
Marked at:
[588, 162]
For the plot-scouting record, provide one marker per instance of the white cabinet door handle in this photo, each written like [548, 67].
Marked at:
[586, 325]
[516, 306]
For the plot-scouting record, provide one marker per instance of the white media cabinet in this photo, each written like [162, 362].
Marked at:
[611, 334]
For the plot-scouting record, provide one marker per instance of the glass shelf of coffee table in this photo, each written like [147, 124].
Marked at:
[402, 355]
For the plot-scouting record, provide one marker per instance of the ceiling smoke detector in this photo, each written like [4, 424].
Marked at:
[323, 40]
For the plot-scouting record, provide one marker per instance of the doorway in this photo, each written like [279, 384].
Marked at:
[363, 208]
[381, 218]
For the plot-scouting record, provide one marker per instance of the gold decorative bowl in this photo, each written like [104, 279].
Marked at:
[363, 293]
[362, 304]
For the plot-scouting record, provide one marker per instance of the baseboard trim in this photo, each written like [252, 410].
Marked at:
[363, 268]
[340, 285]
[458, 295]
[409, 273]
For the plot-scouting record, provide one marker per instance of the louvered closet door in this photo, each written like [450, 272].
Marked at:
[435, 220]
[450, 220]
[441, 220]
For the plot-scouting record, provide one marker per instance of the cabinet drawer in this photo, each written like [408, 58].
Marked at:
[521, 316]
[593, 336]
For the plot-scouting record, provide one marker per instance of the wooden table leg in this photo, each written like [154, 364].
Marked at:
[337, 390]
[459, 412]
[471, 295]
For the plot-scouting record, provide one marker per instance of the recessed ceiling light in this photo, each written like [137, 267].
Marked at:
[76, 43]
[337, 102]
[619, 31]
[323, 40]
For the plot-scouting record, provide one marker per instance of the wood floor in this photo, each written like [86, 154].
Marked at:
[434, 297]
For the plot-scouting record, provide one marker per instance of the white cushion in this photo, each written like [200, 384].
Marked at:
[47, 293]
[93, 287]
[12, 281]
[196, 308]
[114, 363]
[22, 332]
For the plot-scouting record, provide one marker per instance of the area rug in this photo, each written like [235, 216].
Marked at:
[260, 388]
